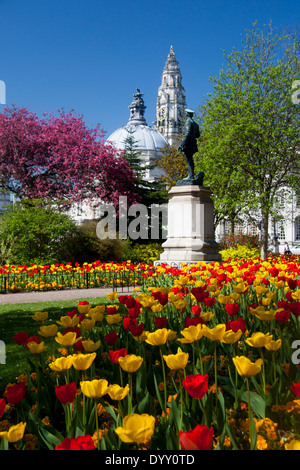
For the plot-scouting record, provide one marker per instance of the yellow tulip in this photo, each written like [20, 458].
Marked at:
[264, 315]
[294, 444]
[180, 304]
[158, 337]
[68, 322]
[274, 345]
[216, 333]
[40, 316]
[231, 337]
[36, 348]
[15, 433]
[136, 428]
[61, 363]
[177, 361]
[97, 312]
[91, 346]
[296, 295]
[130, 363]
[87, 324]
[156, 308]
[48, 330]
[67, 339]
[258, 339]
[207, 316]
[191, 334]
[240, 288]
[94, 388]
[111, 295]
[224, 299]
[83, 361]
[118, 393]
[245, 367]
[83, 308]
[147, 301]
[260, 290]
[113, 319]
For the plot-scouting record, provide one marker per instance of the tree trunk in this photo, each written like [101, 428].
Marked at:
[264, 235]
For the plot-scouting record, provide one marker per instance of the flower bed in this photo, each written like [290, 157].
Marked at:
[207, 357]
[59, 276]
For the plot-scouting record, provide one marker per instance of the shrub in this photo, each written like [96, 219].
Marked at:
[37, 235]
[240, 252]
[147, 253]
[234, 240]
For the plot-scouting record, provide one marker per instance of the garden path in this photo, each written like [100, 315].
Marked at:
[51, 296]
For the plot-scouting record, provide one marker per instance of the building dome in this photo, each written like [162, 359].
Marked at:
[147, 140]
[145, 137]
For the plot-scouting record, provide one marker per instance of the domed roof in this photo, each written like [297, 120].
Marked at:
[144, 136]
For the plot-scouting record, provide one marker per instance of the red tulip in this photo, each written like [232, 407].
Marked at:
[196, 385]
[295, 308]
[2, 406]
[79, 443]
[162, 298]
[235, 325]
[20, 338]
[134, 312]
[192, 321]
[16, 393]
[292, 283]
[136, 330]
[296, 389]
[160, 322]
[111, 338]
[127, 322]
[200, 438]
[209, 301]
[283, 315]
[114, 355]
[232, 309]
[66, 393]
[34, 339]
[196, 310]
[111, 310]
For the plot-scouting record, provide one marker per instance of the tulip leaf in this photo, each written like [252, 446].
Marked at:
[52, 438]
[257, 403]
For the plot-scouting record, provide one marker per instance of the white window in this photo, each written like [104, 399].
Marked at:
[297, 228]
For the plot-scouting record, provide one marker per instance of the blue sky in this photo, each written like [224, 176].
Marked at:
[91, 55]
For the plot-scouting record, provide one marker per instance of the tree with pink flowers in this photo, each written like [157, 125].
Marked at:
[58, 158]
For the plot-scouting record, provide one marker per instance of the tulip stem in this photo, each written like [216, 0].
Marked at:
[165, 384]
[249, 415]
[97, 426]
[216, 375]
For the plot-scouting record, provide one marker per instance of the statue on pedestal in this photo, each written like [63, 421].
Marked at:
[189, 147]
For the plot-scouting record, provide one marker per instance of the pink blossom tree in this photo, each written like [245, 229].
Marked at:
[60, 159]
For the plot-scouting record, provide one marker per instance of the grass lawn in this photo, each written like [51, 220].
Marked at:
[15, 318]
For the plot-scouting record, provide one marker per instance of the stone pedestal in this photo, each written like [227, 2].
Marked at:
[190, 227]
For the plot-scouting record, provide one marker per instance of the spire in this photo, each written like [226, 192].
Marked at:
[170, 103]
[137, 109]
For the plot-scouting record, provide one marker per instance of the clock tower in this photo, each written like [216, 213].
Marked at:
[171, 104]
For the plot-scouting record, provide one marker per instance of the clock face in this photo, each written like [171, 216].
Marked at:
[161, 113]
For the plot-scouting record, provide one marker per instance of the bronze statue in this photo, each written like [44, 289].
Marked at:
[188, 146]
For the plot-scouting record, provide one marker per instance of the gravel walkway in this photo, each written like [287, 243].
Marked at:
[50, 296]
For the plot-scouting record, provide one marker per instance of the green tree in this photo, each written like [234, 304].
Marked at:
[38, 235]
[173, 164]
[250, 126]
[149, 192]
